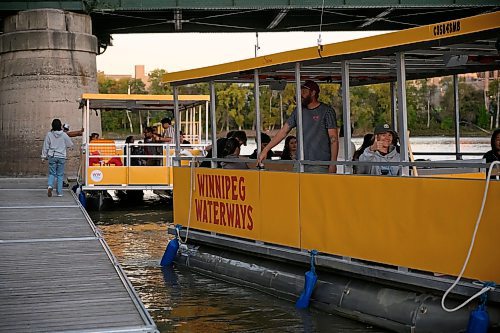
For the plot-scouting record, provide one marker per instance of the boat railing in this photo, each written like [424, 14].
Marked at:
[116, 165]
[473, 168]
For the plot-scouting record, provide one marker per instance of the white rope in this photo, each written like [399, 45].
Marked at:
[192, 188]
[320, 46]
[487, 288]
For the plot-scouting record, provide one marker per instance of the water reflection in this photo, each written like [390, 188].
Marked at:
[180, 300]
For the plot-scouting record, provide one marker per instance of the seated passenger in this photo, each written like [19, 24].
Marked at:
[264, 141]
[241, 137]
[182, 140]
[93, 136]
[149, 138]
[95, 160]
[382, 150]
[221, 143]
[290, 149]
[134, 150]
[367, 142]
[494, 153]
[232, 151]
[115, 161]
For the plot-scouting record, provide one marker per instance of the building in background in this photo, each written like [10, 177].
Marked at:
[139, 74]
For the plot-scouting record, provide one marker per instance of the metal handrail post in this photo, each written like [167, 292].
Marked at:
[403, 115]
[456, 106]
[129, 151]
[257, 109]
[176, 124]
[394, 107]
[214, 123]
[346, 114]
[206, 121]
[300, 132]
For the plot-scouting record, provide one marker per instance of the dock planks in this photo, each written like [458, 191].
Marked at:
[56, 273]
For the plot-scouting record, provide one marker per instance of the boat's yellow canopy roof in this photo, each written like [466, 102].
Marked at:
[452, 47]
[141, 102]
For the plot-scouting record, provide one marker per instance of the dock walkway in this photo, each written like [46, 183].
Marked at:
[56, 272]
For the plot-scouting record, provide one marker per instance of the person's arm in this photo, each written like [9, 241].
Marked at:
[368, 155]
[72, 134]
[45, 148]
[67, 141]
[169, 135]
[164, 139]
[282, 133]
[333, 134]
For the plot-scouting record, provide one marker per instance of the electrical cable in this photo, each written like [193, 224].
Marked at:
[320, 46]
[487, 287]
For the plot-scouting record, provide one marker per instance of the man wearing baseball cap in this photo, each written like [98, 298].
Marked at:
[319, 130]
[382, 150]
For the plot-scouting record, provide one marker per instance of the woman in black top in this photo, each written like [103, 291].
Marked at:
[494, 153]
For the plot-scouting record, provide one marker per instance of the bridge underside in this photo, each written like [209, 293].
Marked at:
[142, 16]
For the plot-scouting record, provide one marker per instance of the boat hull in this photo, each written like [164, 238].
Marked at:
[368, 297]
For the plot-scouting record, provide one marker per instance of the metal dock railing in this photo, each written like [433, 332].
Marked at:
[57, 274]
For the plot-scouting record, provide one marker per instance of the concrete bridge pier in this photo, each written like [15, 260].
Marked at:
[47, 60]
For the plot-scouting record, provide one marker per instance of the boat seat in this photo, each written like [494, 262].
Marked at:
[105, 147]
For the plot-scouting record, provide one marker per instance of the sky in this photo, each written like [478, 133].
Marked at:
[181, 51]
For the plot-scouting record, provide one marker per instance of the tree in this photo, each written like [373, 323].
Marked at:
[362, 112]
[137, 87]
[156, 86]
[470, 102]
[231, 102]
[104, 83]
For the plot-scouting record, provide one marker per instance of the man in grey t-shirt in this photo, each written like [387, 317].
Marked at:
[319, 128]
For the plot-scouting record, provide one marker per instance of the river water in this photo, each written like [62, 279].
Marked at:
[183, 301]
[180, 300]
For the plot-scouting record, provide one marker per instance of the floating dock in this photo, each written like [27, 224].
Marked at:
[57, 273]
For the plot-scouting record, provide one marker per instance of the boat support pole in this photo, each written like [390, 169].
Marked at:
[206, 122]
[300, 132]
[456, 106]
[257, 109]
[87, 146]
[346, 114]
[214, 123]
[403, 115]
[394, 107]
[200, 109]
[177, 125]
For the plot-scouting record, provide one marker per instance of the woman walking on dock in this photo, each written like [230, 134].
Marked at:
[54, 149]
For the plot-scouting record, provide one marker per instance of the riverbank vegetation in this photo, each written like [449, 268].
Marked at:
[430, 106]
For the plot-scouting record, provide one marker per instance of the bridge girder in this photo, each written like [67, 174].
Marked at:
[142, 16]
